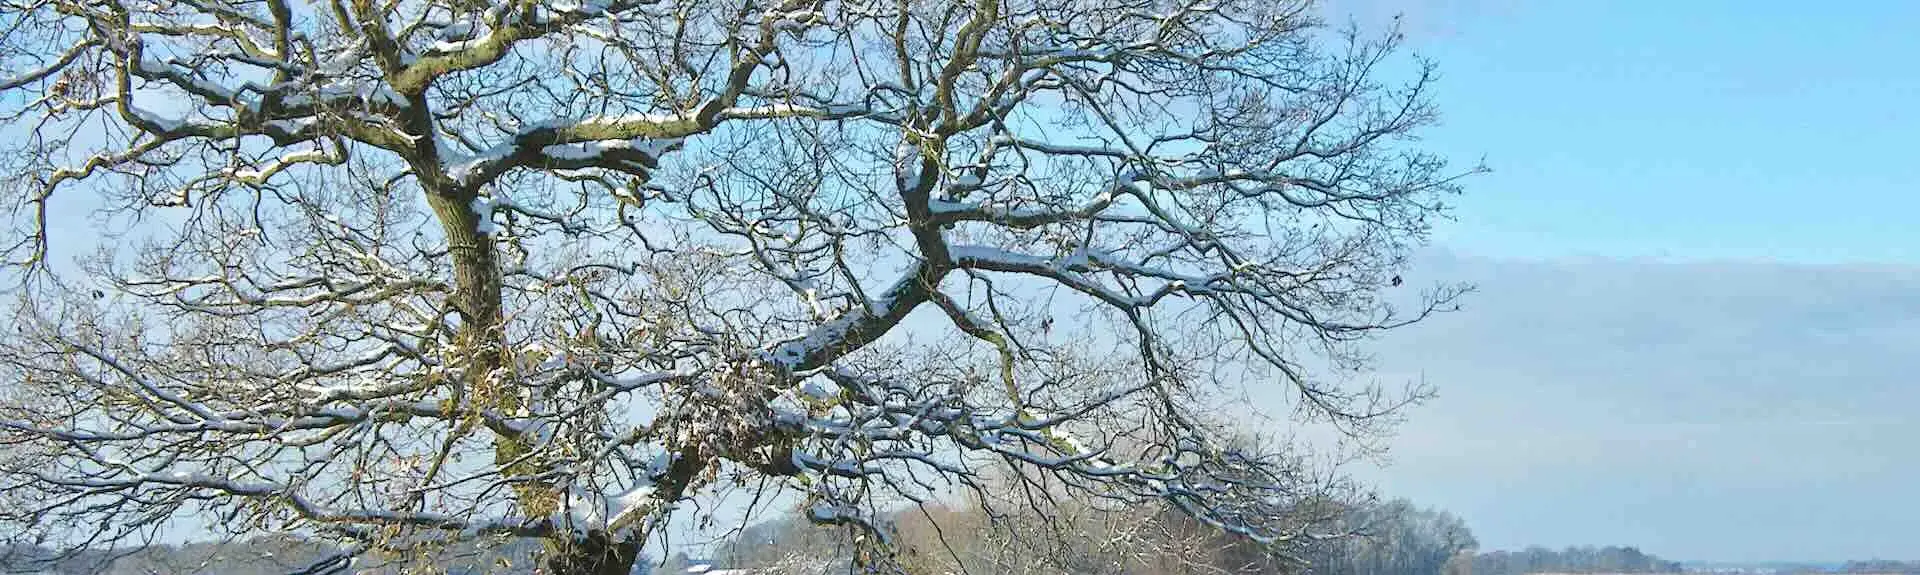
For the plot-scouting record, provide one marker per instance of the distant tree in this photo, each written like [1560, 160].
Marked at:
[675, 564]
[1396, 537]
[1881, 566]
[1460, 564]
[406, 275]
[1582, 559]
[1071, 539]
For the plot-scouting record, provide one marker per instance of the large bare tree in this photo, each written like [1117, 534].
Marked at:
[399, 274]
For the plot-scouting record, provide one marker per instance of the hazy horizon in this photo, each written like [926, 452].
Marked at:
[1700, 278]
[1705, 411]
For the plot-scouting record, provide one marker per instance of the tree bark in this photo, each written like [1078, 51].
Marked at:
[478, 299]
[476, 272]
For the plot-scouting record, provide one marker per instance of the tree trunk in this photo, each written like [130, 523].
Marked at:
[478, 299]
[476, 274]
[594, 554]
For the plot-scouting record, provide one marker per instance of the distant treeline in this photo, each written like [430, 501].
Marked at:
[1585, 559]
[267, 555]
[259, 556]
[1389, 538]
[1868, 567]
[1882, 566]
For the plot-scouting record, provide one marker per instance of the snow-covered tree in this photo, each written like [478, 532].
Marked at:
[401, 274]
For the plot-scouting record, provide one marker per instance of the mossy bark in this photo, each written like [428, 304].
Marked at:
[478, 300]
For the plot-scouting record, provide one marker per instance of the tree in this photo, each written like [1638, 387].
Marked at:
[403, 275]
[1395, 537]
[1582, 559]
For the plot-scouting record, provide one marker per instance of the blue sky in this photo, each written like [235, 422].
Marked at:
[1695, 129]
[1620, 379]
